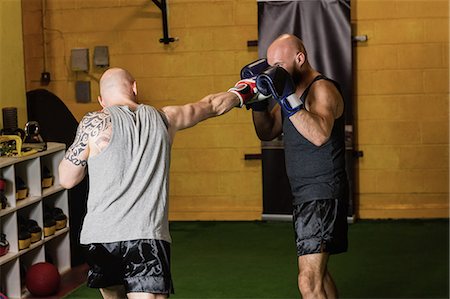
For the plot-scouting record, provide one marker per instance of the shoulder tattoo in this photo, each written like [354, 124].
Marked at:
[94, 125]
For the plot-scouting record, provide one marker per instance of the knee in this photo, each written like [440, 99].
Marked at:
[310, 286]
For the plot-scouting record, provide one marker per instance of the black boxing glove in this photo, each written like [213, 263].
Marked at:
[278, 83]
[250, 71]
[254, 68]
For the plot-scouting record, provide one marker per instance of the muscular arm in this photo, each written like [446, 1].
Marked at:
[186, 116]
[268, 124]
[324, 104]
[93, 135]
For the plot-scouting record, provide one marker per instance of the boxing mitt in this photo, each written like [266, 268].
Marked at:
[277, 82]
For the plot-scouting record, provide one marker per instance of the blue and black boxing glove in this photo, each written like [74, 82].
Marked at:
[278, 83]
[254, 68]
[250, 71]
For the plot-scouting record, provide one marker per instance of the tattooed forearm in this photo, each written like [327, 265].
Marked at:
[93, 125]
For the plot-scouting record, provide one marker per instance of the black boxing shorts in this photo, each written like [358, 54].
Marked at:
[138, 265]
[321, 226]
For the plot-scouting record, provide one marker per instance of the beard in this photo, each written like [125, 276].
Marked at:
[296, 76]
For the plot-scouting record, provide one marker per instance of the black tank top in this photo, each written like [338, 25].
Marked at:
[315, 172]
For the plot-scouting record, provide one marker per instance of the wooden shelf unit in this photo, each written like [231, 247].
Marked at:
[54, 248]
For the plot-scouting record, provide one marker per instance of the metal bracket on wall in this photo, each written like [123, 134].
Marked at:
[252, 156]
[252, 43]
[163, 6]
[360, 38]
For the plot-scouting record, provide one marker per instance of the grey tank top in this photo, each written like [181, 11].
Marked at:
[315, 172]
[128, 180]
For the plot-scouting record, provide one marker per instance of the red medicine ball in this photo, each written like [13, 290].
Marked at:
[42, 279]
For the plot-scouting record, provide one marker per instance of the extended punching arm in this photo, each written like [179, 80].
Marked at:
[277, 82]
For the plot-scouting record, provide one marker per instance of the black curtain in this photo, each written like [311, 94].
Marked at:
[324, 26]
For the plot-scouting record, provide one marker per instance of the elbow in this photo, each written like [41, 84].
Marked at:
[69, 183]
[63, 178]
[66, 186]
[320, 140]
[65, 182]
[266, 134]
[264, 137]
[67, 179]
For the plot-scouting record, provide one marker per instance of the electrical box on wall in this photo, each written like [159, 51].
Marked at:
[80, 59]
[83, 91]
[101, 56]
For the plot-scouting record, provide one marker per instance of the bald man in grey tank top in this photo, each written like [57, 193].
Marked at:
[125, 233]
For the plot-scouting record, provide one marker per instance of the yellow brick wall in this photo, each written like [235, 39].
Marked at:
[401, 87]
[12, 80]
[401, 109]
[209, 177]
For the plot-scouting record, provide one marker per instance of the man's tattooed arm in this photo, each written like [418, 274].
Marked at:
[92, 135]
[94, 126]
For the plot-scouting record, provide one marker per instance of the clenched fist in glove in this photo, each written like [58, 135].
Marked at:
[277, 82]
[245, 90]
[249, 95]
[254, 68]
[250, 71]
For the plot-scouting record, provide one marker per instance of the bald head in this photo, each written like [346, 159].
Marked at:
[117, 86]
[285, 47]
[288, 52]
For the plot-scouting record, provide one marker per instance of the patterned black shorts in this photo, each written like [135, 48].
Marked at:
[321, 226]
[139, 265]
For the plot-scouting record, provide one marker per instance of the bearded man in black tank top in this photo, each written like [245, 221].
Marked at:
[313, 126]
